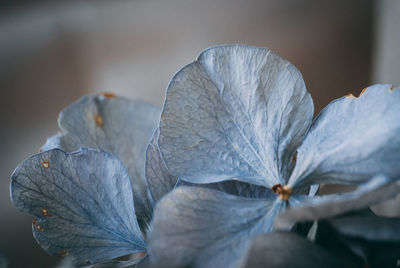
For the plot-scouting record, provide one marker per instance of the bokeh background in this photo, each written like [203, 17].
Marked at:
[53, 52]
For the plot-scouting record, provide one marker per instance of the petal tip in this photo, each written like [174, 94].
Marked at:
[349, 96]
[108, 95]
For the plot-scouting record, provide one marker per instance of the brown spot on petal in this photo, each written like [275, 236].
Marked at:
[392, 88]
[46, 213]
[352, 96]
[99, 120]
[284, 192]
[45, 164]
[62, 254]
[108, 95]
[37, 226]
[362, 92]
[294, 158]
[142, 254]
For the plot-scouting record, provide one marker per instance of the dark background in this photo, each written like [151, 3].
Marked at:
[53, 52]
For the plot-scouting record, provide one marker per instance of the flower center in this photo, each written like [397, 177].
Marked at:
[284, 192]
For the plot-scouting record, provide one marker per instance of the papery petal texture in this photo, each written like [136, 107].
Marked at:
[207, 228]
[159, 179]
[353, 139]
[237, 112]
[116, 125]
[82, 203]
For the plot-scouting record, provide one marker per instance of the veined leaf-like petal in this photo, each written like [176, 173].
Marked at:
[159, 179]
[352, 139]
[116, 125]
[238, 112]
[82, 203]
[207, 228]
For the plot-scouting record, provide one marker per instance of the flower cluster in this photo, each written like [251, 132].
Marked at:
[226, 175]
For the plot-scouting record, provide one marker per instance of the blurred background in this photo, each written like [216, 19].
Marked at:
[53, 52]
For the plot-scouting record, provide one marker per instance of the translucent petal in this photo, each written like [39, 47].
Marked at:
[284, 249]
[238, 112]
[159, 179]
[352, 139]
[207, 228]
[376, 190]
[116, 125]
[82, 203]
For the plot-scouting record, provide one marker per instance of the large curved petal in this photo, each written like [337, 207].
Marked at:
[374, 191]
[116, 125]
[82, 203]
[159, 179]
[285, 249]
[352, 139]
[238, 112]
[207, 228]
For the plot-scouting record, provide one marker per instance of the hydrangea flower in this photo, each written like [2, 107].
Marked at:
[87, 189]
[243, 113]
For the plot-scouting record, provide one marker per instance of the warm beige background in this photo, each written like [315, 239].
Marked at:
[50, 54]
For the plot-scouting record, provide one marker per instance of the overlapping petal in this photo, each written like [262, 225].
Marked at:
[159, 179]
[116, 125]
[82, 203]
[352, 139]
[378, 189]
[207, 228]
[238, 112]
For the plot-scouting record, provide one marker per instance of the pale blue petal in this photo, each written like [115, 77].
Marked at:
[116, 125]
[352, 139]
[82, 203]
[159, 179]
[238, 112]
[207, 228]
[374, 191]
